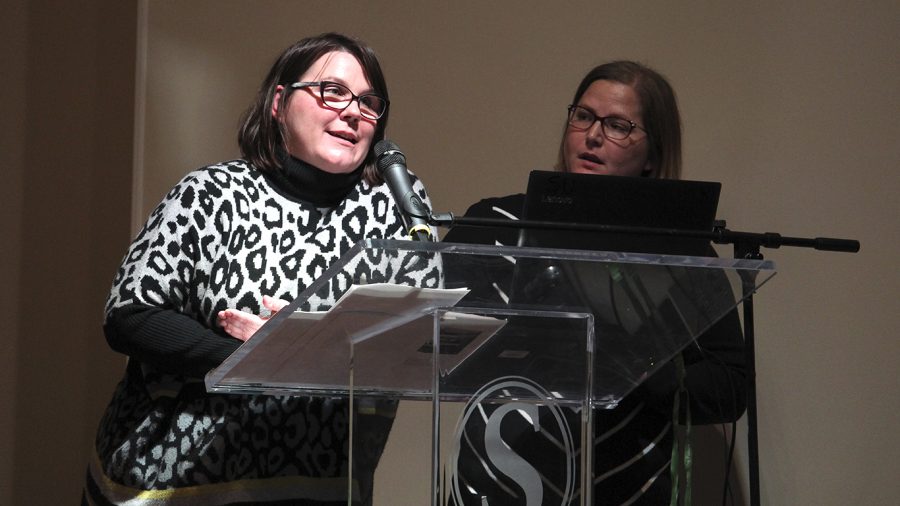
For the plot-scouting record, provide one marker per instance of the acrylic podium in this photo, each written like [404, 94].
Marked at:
[545, 334]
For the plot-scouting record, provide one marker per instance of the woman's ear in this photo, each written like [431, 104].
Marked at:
[276, 102]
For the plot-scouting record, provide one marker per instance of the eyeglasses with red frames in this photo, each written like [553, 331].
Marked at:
[339, 97]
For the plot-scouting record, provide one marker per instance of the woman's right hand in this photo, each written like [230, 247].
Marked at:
[242, 325]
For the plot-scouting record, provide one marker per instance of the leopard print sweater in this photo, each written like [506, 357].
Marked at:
[221, 238]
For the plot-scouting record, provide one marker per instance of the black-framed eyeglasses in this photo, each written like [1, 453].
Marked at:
[613, 127]
[339, 97]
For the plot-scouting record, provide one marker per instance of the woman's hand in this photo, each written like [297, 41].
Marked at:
[242, 325]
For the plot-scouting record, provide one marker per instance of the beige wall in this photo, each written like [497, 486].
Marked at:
[67, 102]
[12, 161]
[791, 105]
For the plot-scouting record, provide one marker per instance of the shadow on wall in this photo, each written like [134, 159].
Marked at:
[711, 446]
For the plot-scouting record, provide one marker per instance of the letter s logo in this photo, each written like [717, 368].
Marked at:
[508, 461]
[478, 483]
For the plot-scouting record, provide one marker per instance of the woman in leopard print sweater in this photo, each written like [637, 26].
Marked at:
[224, 237]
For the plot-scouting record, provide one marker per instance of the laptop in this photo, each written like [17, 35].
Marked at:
[664, 204]
[661, 204]
[619, 299]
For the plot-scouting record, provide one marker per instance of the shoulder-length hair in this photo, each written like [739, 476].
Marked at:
[659, 111]
[260, 135]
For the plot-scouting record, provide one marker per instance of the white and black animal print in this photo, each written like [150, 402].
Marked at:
[223, 237]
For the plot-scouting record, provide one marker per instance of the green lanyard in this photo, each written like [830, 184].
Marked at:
[681, 446]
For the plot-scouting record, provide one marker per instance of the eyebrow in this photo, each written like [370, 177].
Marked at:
[338, 80]
[591, 109]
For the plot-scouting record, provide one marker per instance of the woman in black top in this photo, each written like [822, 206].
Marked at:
[623, 121]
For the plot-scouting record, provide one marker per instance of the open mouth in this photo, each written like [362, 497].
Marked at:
[345, 136]
[590, 158]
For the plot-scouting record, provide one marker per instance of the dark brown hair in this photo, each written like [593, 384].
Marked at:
[659, 111]
[260, 134]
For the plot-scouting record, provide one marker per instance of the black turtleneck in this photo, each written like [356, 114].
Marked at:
[300, 180]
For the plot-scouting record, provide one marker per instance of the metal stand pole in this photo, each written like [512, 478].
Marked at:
[752, 431]
[750, 251]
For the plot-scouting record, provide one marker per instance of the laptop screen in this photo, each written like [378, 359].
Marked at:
[620, 201]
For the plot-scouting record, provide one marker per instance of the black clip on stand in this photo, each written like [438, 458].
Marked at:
[746, 245]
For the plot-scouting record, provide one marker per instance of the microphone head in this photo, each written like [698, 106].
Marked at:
[385, 145]
[387, 154]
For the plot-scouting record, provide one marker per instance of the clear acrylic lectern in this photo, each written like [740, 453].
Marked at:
[561, 331]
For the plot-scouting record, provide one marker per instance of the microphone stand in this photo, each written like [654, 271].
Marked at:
[746, 246]
[748, 241]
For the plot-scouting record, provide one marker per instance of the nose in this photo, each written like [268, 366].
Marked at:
[595, 133]
[352, 111]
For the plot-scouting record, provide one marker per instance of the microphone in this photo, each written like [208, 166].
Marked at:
[391, 165]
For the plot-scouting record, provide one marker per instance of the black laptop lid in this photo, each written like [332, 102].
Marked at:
[620, 201]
